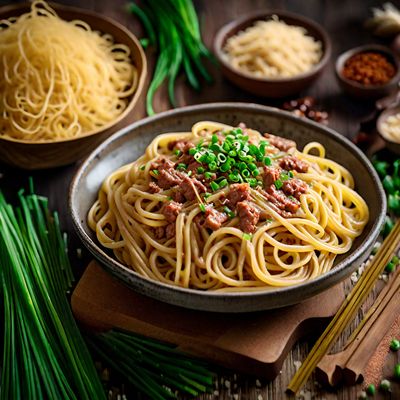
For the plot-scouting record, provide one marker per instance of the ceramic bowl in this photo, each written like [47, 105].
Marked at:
[356, 89]
[39, 155]
[390, 144]
[131, 142]
[265, 87]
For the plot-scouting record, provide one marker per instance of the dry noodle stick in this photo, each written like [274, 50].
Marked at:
[347, 311]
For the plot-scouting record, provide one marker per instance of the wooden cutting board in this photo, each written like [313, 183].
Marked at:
[253, 343]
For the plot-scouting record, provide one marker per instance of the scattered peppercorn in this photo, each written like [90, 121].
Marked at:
[385, 386]
[370, 389]
[397, 371]
[369, 68]
[394, 345]
[306, 107]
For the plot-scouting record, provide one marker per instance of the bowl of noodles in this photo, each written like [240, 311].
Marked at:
[69, 79]
[228, 207]
[272, 53]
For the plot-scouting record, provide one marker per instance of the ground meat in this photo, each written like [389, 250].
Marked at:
[294, 187]
[271, 174]
[167, 179]
[248, 216]
[293, 163]
[182, 145]
[167, 176]
[193, 165]
[177, 195]
[159, 232]
[285, 206]
[170, 230]
[161, 164]
[214, 219]
[280, 143]
[154, 188]
[171, 210]
[189, 187]
[238, 192]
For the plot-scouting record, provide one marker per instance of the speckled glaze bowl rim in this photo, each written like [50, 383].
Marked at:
[82, 13]
[343, 57]
[314, 286]
[227, 28]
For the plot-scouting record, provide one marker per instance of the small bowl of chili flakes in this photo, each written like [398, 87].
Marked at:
[369, 71]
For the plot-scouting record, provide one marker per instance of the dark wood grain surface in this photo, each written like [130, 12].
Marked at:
[343, 19]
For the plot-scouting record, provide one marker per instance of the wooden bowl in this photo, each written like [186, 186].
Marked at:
[390, 144]
[47, 154]
[266, 87]
[358, 90]
[129, 144]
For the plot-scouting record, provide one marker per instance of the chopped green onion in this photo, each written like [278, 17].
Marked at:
[278, 184]
[143, 167]
[237, 131]
[200, 170]
[252, 166]
[232, 153]
[247, 236]
[156, 172]
[193, 151]
[223, 183]
[290, 173]
[208, 175]
[207, 195]
[177, 152]
[229, 212]
[267, 161]
[202, 207]
[221, 157]
[214, 139]
[181, 166]
[256, 172]
[190, 173]
[213, 166]
[246, 173]
[225, 167]
[214, 186]
[233, 177]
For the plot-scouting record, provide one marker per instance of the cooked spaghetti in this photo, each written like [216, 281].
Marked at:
[273, 49]
[60, 79]
[223, 208]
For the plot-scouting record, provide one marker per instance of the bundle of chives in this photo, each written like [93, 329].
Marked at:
[173, 26]
[44, 355]
[152, 367]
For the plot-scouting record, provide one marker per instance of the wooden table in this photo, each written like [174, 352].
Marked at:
[343, 19]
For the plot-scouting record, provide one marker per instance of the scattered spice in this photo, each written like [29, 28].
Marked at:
[306, 107]
[369, 68]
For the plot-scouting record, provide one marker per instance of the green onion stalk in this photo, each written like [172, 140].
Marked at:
[154, 368]
[44, 354]
[173, 27]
